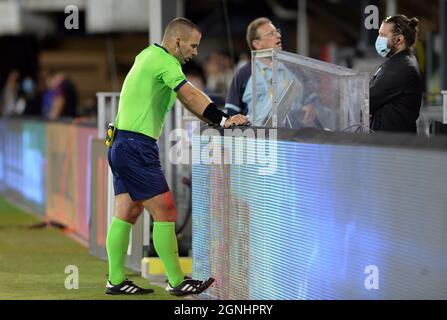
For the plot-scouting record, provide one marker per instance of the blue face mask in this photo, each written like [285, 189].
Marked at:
[28, 85]
[382, 46]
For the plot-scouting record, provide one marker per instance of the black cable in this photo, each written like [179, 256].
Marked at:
[228, 29]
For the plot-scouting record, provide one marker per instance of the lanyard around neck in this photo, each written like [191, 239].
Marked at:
[267, 81]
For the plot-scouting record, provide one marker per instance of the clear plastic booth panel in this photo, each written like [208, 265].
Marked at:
[294, 91]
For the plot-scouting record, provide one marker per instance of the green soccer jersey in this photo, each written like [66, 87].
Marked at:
[149, 92]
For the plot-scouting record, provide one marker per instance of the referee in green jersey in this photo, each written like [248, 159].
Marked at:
[149, 92]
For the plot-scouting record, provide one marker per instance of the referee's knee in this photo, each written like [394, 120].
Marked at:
[171, 214]
[167, 214]
[138, 209]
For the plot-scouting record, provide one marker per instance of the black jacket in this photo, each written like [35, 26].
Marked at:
[395, 94]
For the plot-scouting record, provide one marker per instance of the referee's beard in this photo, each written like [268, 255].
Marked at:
[181, 57]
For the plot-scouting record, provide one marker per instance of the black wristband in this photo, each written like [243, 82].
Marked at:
[213, 114]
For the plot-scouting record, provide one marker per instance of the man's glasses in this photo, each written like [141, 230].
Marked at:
[271, 34]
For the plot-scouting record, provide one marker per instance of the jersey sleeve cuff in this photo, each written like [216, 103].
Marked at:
[180, 85]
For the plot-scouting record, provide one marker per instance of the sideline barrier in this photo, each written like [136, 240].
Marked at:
[23, 147]
[337, 216]
[60, 171]
[44, 166]
[67, 177]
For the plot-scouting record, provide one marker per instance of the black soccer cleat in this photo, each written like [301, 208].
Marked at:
[190, 286]
[125, 287]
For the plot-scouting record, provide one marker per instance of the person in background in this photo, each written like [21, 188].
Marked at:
[244, 57]
[30, 97]
[196, 76]
[219, 72]
[10, 94]
[395, 92]
[261, 35]
[60, 98]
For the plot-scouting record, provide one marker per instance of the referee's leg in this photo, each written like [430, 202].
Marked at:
[118, 235]
[162, 207]
[164, 213]
[126, 209]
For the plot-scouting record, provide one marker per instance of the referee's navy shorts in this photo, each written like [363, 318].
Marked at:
[135, 163]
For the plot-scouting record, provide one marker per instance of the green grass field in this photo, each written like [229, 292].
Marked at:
[33, 261]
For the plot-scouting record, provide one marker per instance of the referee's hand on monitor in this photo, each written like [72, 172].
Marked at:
[236, 120]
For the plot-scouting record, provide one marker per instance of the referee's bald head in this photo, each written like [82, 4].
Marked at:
[181, 28]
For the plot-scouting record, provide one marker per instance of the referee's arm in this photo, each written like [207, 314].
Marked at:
[194, 100]
[201, 105]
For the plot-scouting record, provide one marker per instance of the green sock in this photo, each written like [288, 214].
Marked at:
[165, 243]
[117, 244]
